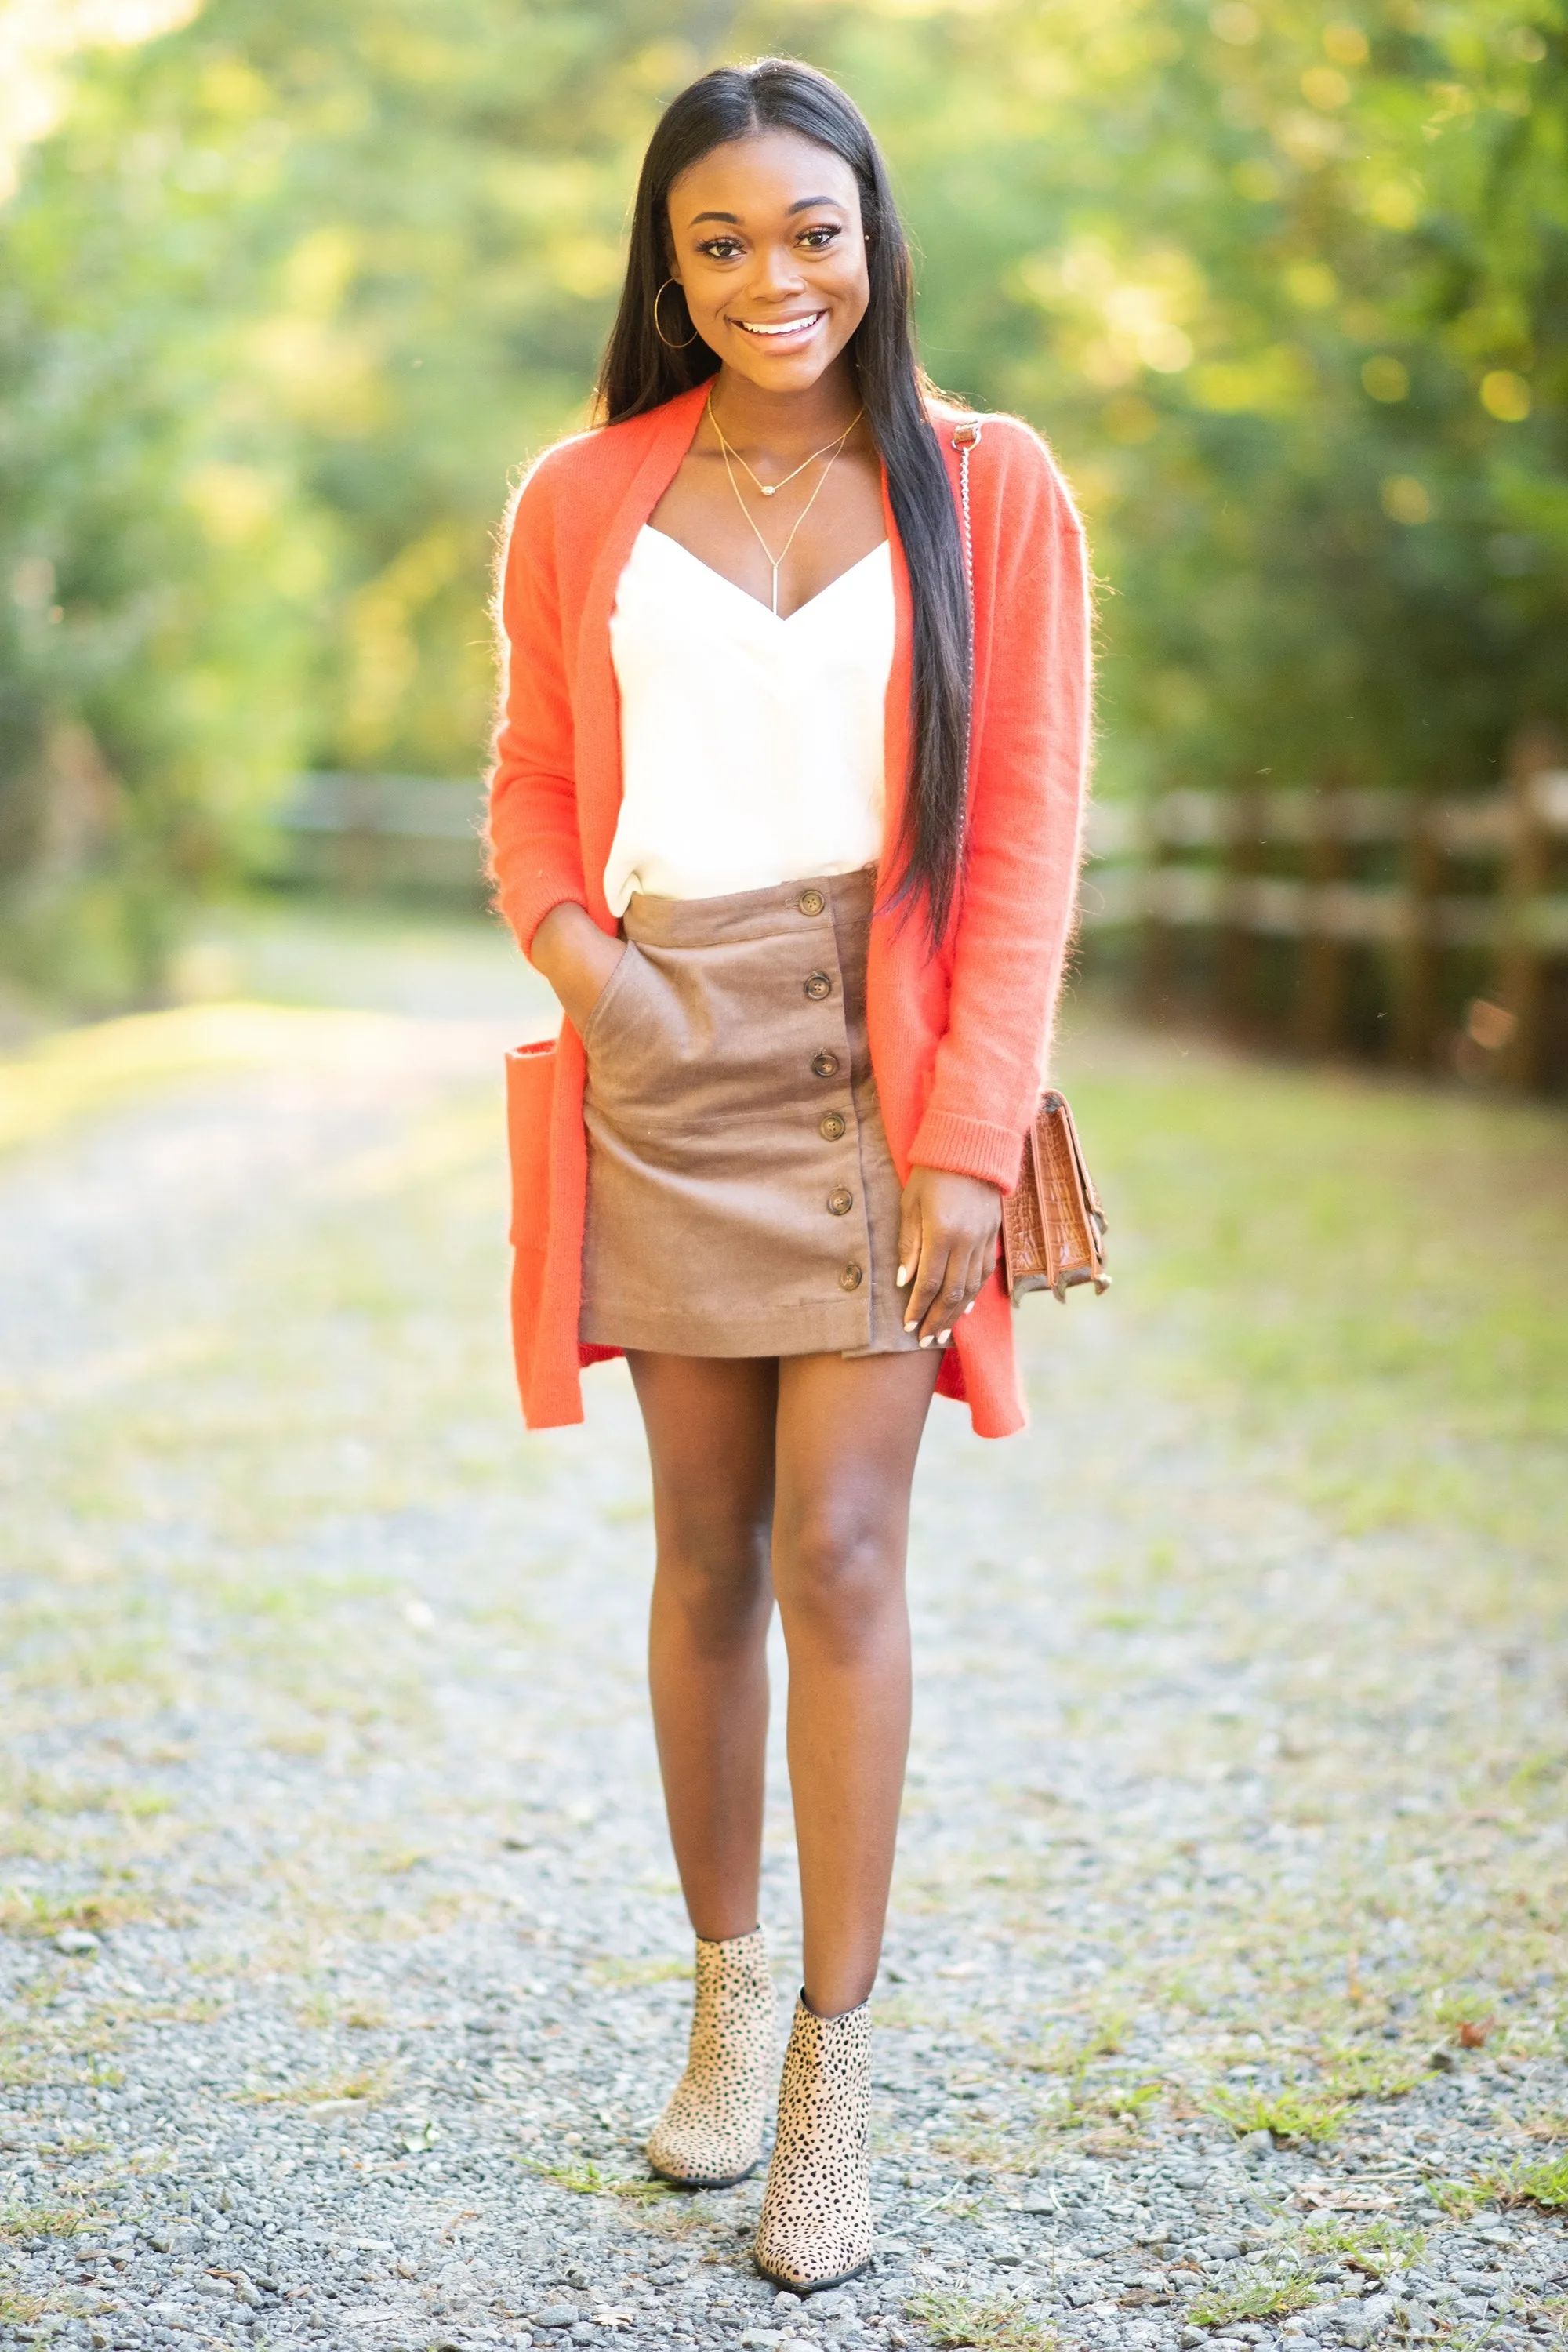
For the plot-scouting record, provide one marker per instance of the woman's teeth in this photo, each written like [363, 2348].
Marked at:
[784, 327]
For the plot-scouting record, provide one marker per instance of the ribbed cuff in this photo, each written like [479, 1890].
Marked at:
[969, 1146]
[525, 907]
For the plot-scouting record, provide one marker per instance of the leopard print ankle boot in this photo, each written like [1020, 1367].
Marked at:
[816, 2228]
[710, 2133]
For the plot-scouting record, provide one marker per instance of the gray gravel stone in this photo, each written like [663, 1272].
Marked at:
[387, 1974]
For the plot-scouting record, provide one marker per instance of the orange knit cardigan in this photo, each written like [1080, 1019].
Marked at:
[959, 1036]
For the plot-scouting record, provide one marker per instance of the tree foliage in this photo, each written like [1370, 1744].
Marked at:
[289, 293]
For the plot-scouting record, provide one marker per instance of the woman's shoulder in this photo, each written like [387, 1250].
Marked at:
[1013, 478]
[583, 470]
[1004, 452]
[579, 464]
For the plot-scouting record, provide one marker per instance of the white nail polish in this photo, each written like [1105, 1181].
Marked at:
[971, 1305]
[943, 1339]
[927, 1341]
[902, 1277]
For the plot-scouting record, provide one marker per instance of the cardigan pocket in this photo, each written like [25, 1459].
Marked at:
[530, 1087]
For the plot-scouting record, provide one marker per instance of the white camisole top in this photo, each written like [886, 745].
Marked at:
[751, 746]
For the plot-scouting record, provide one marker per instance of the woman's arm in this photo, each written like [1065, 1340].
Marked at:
[534, 844]
[575, 957]
[1020, 882]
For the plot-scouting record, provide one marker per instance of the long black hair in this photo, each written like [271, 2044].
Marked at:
[640, 371]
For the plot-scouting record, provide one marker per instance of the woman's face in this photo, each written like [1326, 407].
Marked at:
[766, 242]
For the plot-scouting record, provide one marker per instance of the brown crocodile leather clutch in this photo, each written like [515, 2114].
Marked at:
[1053, 1227]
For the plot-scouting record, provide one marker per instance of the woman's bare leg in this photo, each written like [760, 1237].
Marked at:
[709, 1424]
[849, 1431]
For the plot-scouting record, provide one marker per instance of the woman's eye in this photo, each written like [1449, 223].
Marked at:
[720, 248]
[816, 239]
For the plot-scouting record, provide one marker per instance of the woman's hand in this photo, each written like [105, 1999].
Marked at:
[577, 957]
[948, 1229]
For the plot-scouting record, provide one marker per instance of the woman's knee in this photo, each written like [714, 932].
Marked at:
[714, 1568]
[838, 1568]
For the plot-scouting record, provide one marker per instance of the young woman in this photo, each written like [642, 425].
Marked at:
[786, 807]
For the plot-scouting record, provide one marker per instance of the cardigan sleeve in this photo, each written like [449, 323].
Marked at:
[534, 847]
[1031, 734]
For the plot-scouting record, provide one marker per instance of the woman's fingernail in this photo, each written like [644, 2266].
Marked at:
[927, 1341]
[902, 1277]
[971, 1305]
[943, 1338]
[911, 1327]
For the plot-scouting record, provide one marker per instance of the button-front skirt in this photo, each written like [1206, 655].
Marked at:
[741, 1197]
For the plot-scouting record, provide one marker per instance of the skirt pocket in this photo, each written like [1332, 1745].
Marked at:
[604, 1006]
[631, 1042]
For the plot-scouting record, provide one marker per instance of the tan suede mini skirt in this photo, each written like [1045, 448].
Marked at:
[741, 1197]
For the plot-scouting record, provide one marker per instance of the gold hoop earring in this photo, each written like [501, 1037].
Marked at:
[659, 330]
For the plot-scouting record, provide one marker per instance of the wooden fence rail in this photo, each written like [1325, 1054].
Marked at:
[1337, 917]
[368, 834]
[1433, 931]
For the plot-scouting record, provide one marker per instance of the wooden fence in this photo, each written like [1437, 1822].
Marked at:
[1431, 931]
[367, 835]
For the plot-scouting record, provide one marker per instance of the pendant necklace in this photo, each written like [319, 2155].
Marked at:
[767, 489]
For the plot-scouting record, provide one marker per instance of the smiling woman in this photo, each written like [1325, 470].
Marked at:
[786, 807]
[809, 241]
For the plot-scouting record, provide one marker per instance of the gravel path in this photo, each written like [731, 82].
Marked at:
[342, 1965]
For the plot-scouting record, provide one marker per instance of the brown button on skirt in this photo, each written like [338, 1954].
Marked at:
[741, 1197]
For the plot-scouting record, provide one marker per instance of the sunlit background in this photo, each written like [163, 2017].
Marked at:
[290, 292]
[1237, 1794]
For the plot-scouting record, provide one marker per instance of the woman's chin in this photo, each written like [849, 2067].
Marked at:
[794, 370]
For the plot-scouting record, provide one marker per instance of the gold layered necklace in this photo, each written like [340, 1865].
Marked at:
[831, 450]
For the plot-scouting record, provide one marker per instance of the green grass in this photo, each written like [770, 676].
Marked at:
[1258, 2296]
[1461, 2198]
[1000, 2325]
[1544, 2183]
[586, 2179]
[49, 2220]
[41, 1915]
[614, 1971]
[1374, 2073]
[1374, 2247]
[1291, 2114]
[1374, 1275]
[1103, 2036]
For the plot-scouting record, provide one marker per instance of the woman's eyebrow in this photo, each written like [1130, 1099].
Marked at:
[801, 204]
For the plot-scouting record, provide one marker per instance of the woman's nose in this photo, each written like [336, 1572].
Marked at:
[777, 271]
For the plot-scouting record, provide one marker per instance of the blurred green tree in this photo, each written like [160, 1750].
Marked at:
[1289, 287]
[290, 293]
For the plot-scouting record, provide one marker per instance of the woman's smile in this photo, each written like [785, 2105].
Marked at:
[790, 331]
